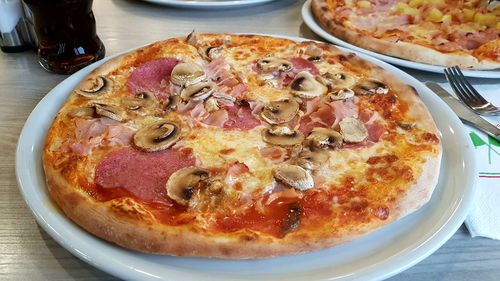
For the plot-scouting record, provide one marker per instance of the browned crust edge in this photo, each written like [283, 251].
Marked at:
[99, 219]
[400, 49]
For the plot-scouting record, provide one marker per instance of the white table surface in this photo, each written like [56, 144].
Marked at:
[28, 253]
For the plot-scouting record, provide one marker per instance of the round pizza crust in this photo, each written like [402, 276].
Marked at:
[400, 49]
[125, 222]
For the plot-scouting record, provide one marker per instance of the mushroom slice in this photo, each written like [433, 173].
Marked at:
[353, 130]
[82, 112]
[157, 136]
[215, 187]
[185, 74]
[191, 38]
[209, 52]
[211, 105]
[281, 135]
[371, 87]
[182, 184]
[281, 111]
[336, 81]
[310, 160]
[274, 64]
[173, 102]
[141, 100]
[110, 111]
[198, 92]
[223, 96]
[324, 138]
[94, 87]
[305, 86]
[294, 176]
[314, 52]
[341, 94]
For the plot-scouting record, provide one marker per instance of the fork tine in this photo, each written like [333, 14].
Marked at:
[453, 84]
[478, 101]
[460, 83]
[467, 96]
[468, 87]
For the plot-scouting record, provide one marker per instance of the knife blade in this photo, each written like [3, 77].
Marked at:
[463, 112]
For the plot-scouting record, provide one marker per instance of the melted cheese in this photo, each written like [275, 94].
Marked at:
[245, 145]
[348, 162]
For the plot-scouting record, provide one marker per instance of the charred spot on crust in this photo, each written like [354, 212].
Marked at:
[314, 59]
[406, 126]
[248, 237]
[342, 58]
[292, 219]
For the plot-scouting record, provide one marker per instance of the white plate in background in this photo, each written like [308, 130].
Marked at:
[310, 21]
[208, 4]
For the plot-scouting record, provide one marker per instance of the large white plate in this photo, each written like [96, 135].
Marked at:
[310, 21]
[378, 255]
[208, 4]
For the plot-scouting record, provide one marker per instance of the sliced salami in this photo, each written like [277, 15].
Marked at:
[144, 174]
[153, 77]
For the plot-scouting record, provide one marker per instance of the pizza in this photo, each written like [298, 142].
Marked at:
[438, 32]
[239, 146]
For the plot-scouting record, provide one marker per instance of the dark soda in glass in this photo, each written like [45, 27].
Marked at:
[66, 34]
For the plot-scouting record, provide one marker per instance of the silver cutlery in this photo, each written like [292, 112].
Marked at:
[463, 112]
[467, 94]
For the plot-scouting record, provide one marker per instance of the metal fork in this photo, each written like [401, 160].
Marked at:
[467, 94]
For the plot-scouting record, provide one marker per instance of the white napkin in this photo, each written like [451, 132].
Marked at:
[484, 218]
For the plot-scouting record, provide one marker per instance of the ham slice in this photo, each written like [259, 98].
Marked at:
[217, 118]
[375, 131]
[311, 105]
[327, 115]
[199, 112]
[118, 135]
[236, 171]
[238, 90]
[89, 128]
[345, 108]
[217, 70]
[300, 64]
[324, 115]
[288, 193]
[91, 133]
[240, 117]
[275, 154]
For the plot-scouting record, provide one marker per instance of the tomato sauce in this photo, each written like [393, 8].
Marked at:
[278, 218]
[270, 221]
[167, 211]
